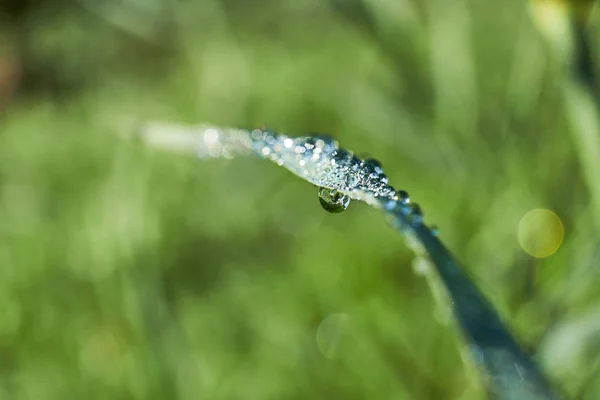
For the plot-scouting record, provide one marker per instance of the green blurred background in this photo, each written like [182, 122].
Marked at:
[127, 273]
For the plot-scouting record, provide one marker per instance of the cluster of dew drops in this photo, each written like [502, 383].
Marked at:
[339, 174]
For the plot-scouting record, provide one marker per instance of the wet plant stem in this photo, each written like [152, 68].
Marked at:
[509, 372]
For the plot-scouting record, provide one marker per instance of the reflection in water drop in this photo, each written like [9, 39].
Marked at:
[331, 332]
[333, 201]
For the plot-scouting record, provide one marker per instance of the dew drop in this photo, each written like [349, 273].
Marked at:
[288, 143]
[434, 230]
[416, 209]
[352, 180]
[340, 157]
[373, 178]
[388, 192]
[274, 157]
[390, 205]
[333, 201]
[327, 143]
[270, 137]
[355, 162]
[373, 165]
[403, 197]
[416, 214]
[310, 143]
[383, 179]
[258, 134]
[266, 151]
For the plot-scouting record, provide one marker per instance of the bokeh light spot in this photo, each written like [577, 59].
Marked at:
[540, 233]
[331, 332]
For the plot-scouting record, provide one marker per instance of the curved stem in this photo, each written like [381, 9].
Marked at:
[510, 372]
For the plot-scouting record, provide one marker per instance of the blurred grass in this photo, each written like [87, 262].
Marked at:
[130, 274]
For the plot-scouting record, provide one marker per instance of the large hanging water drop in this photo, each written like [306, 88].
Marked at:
[333, 201]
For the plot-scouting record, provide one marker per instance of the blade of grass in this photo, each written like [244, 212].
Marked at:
[510, 372]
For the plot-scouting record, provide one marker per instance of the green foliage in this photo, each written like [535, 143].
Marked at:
[131, 274]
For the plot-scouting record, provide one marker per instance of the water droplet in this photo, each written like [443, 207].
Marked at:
[416, 214]
[373, 165]
[270, 137]
[390, 205]
[341, 157]
[388, 192]
[333, 201]
[403, 197]
[288, 143]
[258, 134]
[327, 143]
[383, 179]
[434, 230]
[310, 143]
[211, 136]
[266, 151]
[352, 179]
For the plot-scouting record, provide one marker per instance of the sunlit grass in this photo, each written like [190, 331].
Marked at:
[130, 274]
